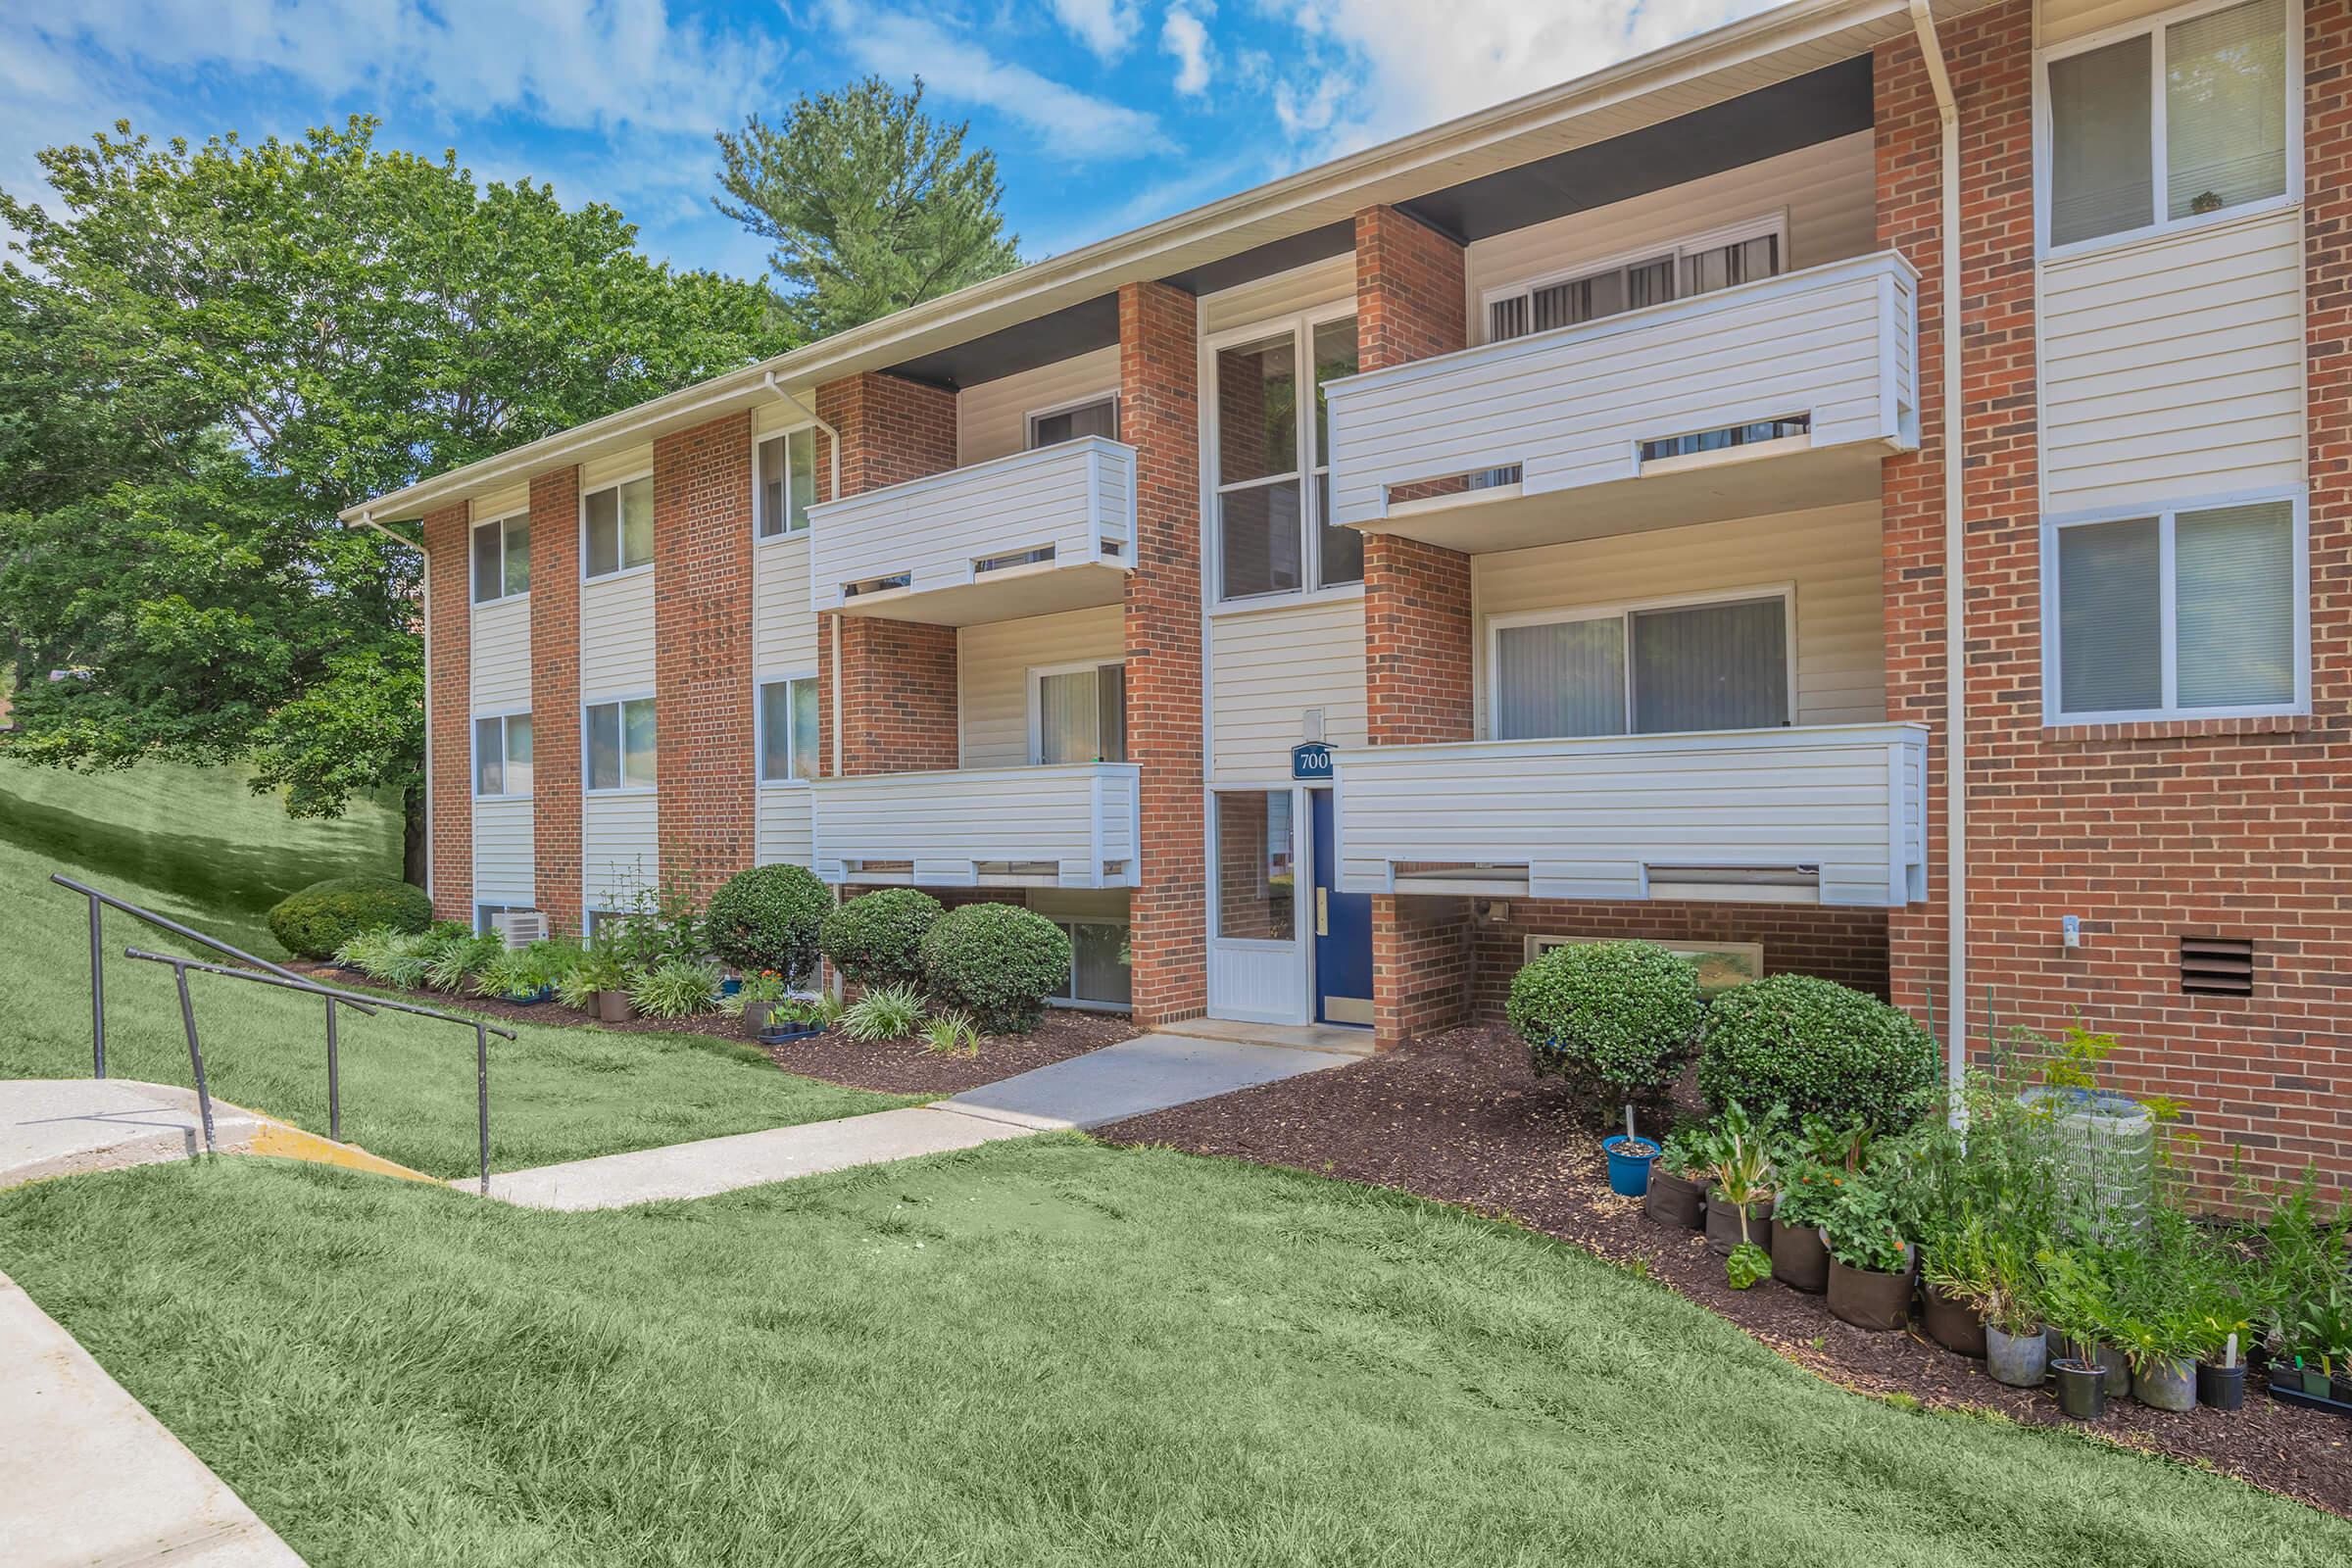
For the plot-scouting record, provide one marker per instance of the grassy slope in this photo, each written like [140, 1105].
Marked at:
[198, 847]
[1052, 1351]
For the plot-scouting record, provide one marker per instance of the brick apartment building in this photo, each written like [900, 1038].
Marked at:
[1542, 527]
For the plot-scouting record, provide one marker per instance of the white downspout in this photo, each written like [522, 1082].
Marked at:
[1956, 570]
[832, 447]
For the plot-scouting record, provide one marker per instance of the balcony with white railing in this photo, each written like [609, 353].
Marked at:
[1067, 825]
[1030, 534]
[1832, 815]
[1773, 396]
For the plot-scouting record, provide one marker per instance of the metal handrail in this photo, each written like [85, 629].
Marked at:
[285, 981]
[101, 902]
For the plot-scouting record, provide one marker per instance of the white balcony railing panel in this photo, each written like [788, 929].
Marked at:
[1605, 818]
[1571, 406]
[1067, 825]
[1076, 499]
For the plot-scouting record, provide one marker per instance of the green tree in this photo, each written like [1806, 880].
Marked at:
[207, 352]
[872, 205]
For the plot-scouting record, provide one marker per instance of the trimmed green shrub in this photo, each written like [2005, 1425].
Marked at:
[1817, 1048]
[768, 918]
[1612, 1017]
[998, 962]
[314, 923]
[876, 939]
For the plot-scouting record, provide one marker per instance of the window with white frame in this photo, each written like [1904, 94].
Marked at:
[1273, 473]
[2192, 112]
[617, 527]
[502, 754]
[619, 740]
[1100, 974]
[502, 558]
[2176, 614]
[1078, 714]
[787, 730]
[1700, 264]
[1718, 664]
[1099, 416]
[785, 481]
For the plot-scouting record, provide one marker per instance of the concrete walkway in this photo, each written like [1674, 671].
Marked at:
[93, 1479]
[65, 1126]
[1135, 1076]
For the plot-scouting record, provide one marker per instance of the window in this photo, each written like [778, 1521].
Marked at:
[1720, 664]
[1053, 427]
[1078, 714]
[621, 745]
[1257, 866]
[787, 730]
[1273, 470]
[2174, 121]
[1787, 427]
[1700, 265]
[786, 482]
[1100, 972]
[2177, 615]
[502, 558]
[618, 520]
[502, 754]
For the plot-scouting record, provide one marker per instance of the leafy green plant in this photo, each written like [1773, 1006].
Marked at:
[768, 919]
[951, 1034]
[886, 1012]
[655, 924]
[595, 971]
[1817, 1049]
[998, 962]
[1614, 1018]
[876, 939]
[761, 985]
[1808, 1191]
[1860, 1229]
[316, 922]
[675, 988]
[2078, 1295]
[455, 964]
[511, 976]
[1683, 1152]
[1958, 1261]
[2323, 1335]
[1747, 1264]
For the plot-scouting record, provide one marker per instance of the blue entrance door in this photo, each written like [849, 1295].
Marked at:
[1342, 933]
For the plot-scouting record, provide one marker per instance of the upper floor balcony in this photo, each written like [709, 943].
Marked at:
[1039, 532]
[1068, 825]
[1772, 395]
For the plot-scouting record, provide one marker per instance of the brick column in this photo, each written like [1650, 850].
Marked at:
[1418, 635]
[449, 704]
[703, 650]
[555, 695]
[1160, 416]
[895, 680]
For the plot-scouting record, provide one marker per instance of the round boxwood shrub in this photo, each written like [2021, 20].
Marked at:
[998, 962]
[768, 918]
[314, 923]
[876, 939]
[1612, 1018]
[1817, 1047]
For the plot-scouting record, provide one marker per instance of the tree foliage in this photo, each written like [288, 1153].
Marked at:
[206, 352]
[873, 205]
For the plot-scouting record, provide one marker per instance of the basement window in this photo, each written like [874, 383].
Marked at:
[876, 585]
[2217, 966]
[1014, 557]
[1785, 428]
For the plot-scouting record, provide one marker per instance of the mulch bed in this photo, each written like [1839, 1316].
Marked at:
[896, 1068]
[1458, 1117]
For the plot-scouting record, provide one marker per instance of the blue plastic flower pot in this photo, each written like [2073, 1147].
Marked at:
[1629, 1164]
[729, 986]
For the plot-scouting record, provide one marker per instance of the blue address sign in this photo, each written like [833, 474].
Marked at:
[1312, 762]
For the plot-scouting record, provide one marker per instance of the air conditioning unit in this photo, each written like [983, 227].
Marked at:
[520, 928]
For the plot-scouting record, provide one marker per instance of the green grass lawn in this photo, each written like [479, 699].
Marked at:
[196, 846]
[1045, 1352]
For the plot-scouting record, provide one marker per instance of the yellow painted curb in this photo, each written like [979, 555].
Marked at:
[278, 1141]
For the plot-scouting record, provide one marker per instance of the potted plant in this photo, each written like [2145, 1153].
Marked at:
[1678, 1182]
[2324, 1345]
[1870, 1262]
[2079, 1301]
[1955, 1274]
[1739, 1201]
[1629, 1157]
[757, 997]
[2016, 1353]
[796, 1018]
[1801, 1258]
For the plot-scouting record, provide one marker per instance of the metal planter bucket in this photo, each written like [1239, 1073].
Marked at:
[2019, 1360]
[2167, 1385]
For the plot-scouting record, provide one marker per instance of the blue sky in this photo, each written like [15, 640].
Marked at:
[1103, 114]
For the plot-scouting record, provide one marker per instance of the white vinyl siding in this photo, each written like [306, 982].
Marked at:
[619, 847]
[783, 827]
[992, 419]
[616, 634]
[1268, 668]
[992, 664]
[1330, 282]
[1832, 558]
[1073, 825]
[503, 869]
[2065, 21]
[502, 654]
[2174, 369]
[784, 630]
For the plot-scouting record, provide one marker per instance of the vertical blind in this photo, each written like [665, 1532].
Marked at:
[1657, 672]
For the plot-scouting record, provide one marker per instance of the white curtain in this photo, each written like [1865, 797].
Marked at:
[1066, 717]
[2234, 607]
[2224, 108]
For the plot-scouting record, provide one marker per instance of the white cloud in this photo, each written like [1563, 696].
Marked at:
[1075, 125]
[1183, 36]
[1107, 27]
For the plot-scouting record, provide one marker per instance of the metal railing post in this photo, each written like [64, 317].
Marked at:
[97, 989]
[187, 1019]
[481, 1093]
[334, 1079]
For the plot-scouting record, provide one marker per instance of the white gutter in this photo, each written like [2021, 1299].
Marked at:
[833, 446]
[1956, 579]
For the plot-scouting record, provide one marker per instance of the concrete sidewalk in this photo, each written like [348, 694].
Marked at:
[62, 1126]
[1147, 1073]
[92, 1478]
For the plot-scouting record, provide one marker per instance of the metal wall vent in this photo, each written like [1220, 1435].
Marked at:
[2217, 966]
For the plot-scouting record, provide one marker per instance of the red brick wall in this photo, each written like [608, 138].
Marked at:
[1423, 966]
[449, 787]
[1409, 290]
[892, 430]
[1160, 416]
[2148, 833]
[555, 695]
[703, 651]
